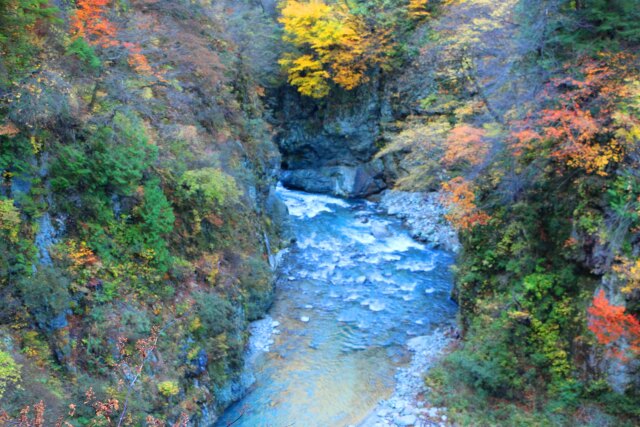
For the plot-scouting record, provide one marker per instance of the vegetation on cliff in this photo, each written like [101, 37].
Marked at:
[530, 127]
[136, 165]
[136, 162]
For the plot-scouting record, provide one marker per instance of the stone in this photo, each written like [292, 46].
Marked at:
[424, 216]
[399, 404]
[379, 231]
[405, 420]
[344, 181]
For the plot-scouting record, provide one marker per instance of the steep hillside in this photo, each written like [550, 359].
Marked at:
[524, 115]
[136, 206]
[139, 223]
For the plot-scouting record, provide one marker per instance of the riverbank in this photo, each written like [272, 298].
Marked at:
[351, 291]
[406, 406]
[424, 216]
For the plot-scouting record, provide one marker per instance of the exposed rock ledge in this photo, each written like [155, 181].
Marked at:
[424, 215]
[342, 181]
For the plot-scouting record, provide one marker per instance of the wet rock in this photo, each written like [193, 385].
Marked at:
[317, 134]
[380, 231]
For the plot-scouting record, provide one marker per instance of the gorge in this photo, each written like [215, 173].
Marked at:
[319, 212]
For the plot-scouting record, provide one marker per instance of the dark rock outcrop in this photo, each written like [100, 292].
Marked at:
[329, 147]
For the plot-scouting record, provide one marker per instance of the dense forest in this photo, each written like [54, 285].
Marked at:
[140, 146]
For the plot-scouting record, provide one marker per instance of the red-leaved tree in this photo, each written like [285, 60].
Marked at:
[91, 23]
[613, 327]
[583, 123]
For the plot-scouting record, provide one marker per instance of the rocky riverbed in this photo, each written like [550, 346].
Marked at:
[406, 406]
[356, 307]
[424, 215]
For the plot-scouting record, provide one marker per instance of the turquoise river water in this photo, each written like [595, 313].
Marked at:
[350, 292]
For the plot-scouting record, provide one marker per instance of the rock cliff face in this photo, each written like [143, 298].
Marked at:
[329, 146]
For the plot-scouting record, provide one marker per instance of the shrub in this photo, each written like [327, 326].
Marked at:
[9, 371]
[46, 296]
[85, 52]
[216, 313]
[257, 285]
[210, 188]
[168, 388]
[111, 161]
[9, 219]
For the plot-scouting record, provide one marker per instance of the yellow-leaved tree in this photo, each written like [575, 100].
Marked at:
[330, 44]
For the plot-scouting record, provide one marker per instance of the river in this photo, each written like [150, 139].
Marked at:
[350, 292]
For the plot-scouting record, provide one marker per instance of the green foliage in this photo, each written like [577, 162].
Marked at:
[85, 52]
[45, 294]
[209, 188]
[111, 162]
[113, 158]
[154, 221]
[624, 196]
[168, 388]
[215, 313]
[604, 23]
[9, 371]
[110, 141]
[18, 41]
[257, 284]
[9, 220]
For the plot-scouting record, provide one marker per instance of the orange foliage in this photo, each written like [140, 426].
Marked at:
[9, 129]
[612, 326]
[582, 123]
[465, 144]
[104, 410]
[38, 416]
[460, 199]
[90, 22]
[81, 256]
[137, 60]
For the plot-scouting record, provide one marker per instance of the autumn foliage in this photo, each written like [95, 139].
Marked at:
[460, 199]
[583, 122]
[330, 44]
[418, 8]
[465, 144]
[613, 327]
[91, 23]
